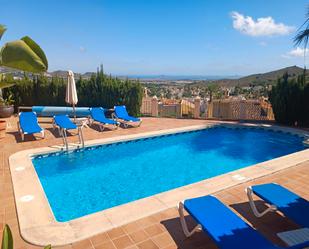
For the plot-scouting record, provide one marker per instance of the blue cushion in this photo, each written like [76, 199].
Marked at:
[64, 122]
[29, 123]
[121, 112]
[225, 227]
[289, 203]
[97, 113]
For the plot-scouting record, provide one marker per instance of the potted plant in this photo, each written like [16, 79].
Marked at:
[6, 106]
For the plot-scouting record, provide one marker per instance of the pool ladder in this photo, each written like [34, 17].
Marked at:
[63, 134]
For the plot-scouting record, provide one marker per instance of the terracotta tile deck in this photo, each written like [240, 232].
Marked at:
[161, 230]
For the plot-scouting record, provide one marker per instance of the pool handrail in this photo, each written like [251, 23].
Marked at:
[63, 123]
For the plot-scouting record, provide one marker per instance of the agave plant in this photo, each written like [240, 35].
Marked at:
[23, 54]
[7, 239]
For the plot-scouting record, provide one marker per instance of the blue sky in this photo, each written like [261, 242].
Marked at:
[175, 37]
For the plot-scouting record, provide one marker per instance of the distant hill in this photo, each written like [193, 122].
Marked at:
[257, 79]
[254, 79]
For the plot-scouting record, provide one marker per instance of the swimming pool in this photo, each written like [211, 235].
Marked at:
[90, 180]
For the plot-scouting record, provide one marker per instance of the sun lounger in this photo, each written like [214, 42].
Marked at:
[224, 226]
[122, 115]
[282, 199]
[97, 115]
[63, 123]
[28, 124]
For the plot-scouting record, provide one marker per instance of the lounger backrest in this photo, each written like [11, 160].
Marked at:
[97, 112]
[27, 119]
[121, 111]
[224, 226]
[64, 122]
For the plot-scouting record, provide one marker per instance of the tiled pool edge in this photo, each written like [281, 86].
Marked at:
[38, 226]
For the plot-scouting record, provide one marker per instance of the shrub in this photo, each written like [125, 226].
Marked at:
[99, 90]
[290, 100]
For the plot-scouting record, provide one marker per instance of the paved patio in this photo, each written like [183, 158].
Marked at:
[161, 230]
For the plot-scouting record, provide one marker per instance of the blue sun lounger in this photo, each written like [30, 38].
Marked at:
[63, 123]
[97, 115]
[226, 229]
[28, 124]
[282, 199]
[122, 115]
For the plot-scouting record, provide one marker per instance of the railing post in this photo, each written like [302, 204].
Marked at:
[178, 110]
[197, 107]
[154, 107]
[210, 109]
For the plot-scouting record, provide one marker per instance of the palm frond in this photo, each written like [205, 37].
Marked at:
[302, 37]
[303, 34]
[2, 30]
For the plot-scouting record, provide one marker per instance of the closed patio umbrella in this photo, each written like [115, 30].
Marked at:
[71, 94]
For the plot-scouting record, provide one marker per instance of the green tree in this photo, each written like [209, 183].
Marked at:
[289, 99]
[303, 33]
[100, 90]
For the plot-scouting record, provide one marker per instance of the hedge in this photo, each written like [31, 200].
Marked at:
[290, 100]
[99, 90]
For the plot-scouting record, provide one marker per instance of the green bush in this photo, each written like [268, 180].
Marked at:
[99, 90]
[290, 100]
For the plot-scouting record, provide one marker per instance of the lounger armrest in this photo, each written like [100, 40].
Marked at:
[300, 246]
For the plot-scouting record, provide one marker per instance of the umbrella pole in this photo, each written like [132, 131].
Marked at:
[74, 113]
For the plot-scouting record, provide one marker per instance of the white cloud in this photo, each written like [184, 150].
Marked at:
[297, 52]
[263, 26]
[82, 49]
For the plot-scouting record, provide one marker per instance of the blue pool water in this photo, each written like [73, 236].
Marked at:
[94, 179]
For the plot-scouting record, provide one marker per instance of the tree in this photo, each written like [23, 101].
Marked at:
[213, 90]
[303, 34]
[289, 100]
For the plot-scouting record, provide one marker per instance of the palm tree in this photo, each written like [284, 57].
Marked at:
[302, 36]
[23, 54]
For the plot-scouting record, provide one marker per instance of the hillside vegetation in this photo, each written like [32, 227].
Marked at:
[269, 78]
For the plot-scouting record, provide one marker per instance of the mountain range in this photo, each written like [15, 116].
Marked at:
[261, 78]
[255, 79]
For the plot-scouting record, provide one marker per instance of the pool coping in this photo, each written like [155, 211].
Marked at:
[38, 225]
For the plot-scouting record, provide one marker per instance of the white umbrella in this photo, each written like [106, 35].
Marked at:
[71, 94]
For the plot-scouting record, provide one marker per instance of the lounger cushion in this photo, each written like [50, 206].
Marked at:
[64, 122]
[224, 226]
[98, 115]
[29, 123]
[121, 112]
[289, 203]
